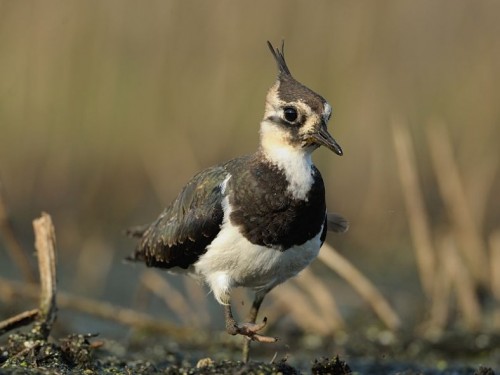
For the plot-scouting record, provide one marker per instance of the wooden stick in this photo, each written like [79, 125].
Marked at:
[330, 257]
[415, 208]
[22, 319]
[11, 289]
[45, 243]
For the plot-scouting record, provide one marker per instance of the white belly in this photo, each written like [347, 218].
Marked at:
[232, 261]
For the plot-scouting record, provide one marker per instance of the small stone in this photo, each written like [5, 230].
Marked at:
[204, 362]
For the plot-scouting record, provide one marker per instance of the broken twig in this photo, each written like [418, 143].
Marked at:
[22, 319]
[10, 289]
[45, 243]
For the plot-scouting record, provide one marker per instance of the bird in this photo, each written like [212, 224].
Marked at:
[256, 220]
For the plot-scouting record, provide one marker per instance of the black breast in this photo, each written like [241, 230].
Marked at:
[267, 213]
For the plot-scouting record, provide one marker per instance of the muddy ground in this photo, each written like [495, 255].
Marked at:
[369, 352]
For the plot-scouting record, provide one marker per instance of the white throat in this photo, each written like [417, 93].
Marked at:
[295, 162]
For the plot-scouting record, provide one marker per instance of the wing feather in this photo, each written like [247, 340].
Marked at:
[183, 230]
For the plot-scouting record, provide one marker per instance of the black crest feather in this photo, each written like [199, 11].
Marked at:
[279, 56]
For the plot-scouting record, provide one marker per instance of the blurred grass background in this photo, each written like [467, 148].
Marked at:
[108, 108]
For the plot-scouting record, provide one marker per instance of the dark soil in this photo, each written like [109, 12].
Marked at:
[26, 353]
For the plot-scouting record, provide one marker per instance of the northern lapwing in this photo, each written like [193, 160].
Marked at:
[257, 220]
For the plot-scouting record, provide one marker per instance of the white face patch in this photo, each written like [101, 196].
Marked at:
[295, 162]
[223, 185]
[290, 149]
[327, 112]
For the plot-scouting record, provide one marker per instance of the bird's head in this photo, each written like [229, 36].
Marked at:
[295, 116]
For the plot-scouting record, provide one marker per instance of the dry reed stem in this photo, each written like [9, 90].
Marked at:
[174, 299]
[415, 208]
[324, 300]
[494, 244]
[45, 243]
[441, 296]
[453, 194]
[462, 281]
[10, 289]
[12, 244]
[141, 298]
[197, 297]
[22, 319]
[90, 275]
[479, 185]
[330, 257]
[301, 309]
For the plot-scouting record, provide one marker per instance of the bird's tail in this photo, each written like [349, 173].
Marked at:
[136, 232]
[336, 223]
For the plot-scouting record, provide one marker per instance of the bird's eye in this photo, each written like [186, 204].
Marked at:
[290, 114]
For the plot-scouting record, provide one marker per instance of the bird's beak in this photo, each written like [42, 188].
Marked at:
[323, 138]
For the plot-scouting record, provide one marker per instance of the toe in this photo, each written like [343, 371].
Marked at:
[263, 339]
[249, 331]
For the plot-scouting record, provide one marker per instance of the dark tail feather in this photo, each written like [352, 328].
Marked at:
[336, 223]
[135, 257]
[137, 231]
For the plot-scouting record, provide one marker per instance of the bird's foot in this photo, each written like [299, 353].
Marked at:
[249, 331]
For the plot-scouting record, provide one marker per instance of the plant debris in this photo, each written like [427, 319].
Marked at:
[327, 366]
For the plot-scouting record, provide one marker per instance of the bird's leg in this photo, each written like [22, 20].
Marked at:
[252, 317]
[248, 330]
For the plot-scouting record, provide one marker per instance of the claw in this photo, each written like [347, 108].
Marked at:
[249, 331]
[264, 339]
